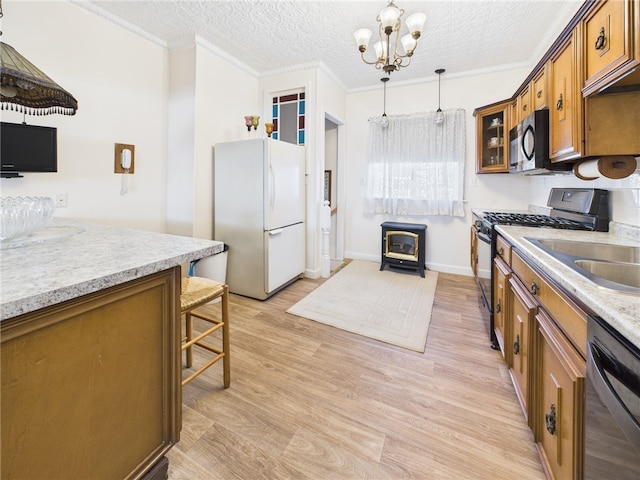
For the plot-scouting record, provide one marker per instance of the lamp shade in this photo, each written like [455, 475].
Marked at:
[25, 88]
[415, 23]
[362, 37]
[409, 44]
[381, 50]
[389, 16]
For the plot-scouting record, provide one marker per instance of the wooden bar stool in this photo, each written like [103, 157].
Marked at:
[194, 293]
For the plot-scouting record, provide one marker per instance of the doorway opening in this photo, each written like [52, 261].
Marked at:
[334, 173]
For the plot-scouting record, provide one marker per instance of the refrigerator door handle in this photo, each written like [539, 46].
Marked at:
[276, 231]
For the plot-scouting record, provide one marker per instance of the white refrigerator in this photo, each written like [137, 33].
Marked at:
[259, 209]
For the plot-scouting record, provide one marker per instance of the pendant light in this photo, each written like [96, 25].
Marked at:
[385, 121]
[27, 89]
[439, 117]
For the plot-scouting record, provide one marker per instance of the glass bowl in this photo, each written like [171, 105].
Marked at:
[21, 216]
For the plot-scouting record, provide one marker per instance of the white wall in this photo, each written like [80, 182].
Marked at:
[205, 108]
[447, 237]
[331, 164]
[181, 141]
[120, 81]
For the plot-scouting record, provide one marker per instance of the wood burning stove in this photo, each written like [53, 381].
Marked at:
[403, 246]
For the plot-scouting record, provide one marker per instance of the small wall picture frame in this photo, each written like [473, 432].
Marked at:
[327, 186]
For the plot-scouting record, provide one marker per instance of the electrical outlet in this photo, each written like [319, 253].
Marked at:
[61, 200]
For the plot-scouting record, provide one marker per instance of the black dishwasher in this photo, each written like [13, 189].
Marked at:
[612, 412]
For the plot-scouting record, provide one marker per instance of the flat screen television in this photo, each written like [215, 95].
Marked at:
[27, 148]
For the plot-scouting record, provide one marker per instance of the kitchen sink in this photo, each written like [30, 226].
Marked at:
[616, 267]
[594, 251]
[623, 273]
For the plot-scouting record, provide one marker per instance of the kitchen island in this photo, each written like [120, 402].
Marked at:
[90, 343]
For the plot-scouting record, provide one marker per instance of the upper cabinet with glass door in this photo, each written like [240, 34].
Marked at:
[492, 133]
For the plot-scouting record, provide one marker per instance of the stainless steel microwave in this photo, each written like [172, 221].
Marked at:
[529, 146]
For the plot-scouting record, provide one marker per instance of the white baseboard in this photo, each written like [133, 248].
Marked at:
[312, 273]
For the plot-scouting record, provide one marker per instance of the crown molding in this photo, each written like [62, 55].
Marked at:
[92, 8]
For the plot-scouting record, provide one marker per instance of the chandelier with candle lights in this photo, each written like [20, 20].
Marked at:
[389, 57]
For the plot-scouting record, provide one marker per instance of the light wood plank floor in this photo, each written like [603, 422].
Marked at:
[309, 401]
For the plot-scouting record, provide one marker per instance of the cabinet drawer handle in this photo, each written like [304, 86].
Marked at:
[559, 103]
[501, 251]
[601, 41]
[498, 307]
[534, 289]
[539, 94]
[516, 345]
[550, 419]
[524, 108]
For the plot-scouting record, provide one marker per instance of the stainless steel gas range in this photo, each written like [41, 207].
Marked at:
[571, 208]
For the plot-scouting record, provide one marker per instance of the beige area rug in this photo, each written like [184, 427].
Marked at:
[392, 306]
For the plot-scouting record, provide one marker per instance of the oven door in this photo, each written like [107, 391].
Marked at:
[612, 413]
[484, 268]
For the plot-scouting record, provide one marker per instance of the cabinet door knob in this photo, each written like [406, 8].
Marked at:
[601, 41]
[539, 94]
[550, 419]
[516, 345]
[559, 103]
[534, 289]
[501, 251]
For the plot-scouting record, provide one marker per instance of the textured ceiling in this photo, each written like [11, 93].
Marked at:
[462, 36]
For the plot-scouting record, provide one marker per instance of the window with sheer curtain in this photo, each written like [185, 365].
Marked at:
[415, 166]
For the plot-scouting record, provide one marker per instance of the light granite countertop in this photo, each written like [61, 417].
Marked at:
[71, 259]
[621, 310]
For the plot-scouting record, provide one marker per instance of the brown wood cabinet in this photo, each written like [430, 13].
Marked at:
[559, 401]
[553, 390]
[600, 125]
[612, 124]
[539, 89]
[513, 114]
[473, 260]
[525, 103]
[91, 387]
[520, 321]
[503, 250]
[610, 47]
[597, 53]
[531, 97]
[571, 319]
[565, 113]
[492, 138]
[501, 276]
